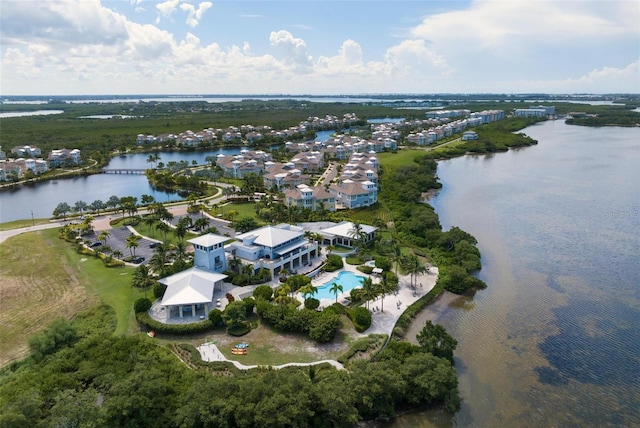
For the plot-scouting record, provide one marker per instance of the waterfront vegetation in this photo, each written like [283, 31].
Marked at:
[100, 357]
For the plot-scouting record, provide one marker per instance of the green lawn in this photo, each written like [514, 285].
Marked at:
[17, 224]
[112, 285]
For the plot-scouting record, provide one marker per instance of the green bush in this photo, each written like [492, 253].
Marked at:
[365, 269]
[336, 308]
[215, 316]
[239, 329]
[58, 334]
[361, 318]
[383, 263]
[142, 305]
[354, 261]
[263, 292]
[324, 327]
[311, 303]
[333, 263]
[249, 304]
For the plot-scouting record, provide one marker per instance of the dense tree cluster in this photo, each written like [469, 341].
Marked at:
[95, 379]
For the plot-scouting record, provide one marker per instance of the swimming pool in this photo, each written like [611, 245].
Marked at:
[348, 281]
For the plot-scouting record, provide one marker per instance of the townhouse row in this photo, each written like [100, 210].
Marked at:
[28, 159]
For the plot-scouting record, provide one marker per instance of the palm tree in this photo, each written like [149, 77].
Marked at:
[117, 254]
[282, 294]
[149, 220]
[308, 289]
[163, 228]
[201, 223]
[180, 231]
[357, 233]
[384, 287]
[142, 278]
[103, 236]
[132, 243]
[335, 289]
[234, 264]
[369, 291]
[396, 256]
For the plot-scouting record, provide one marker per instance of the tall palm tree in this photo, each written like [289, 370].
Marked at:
[357, 233]
[149, 220]
[163, 228]
[132, 243]
[142, 278]
[282, 294]
[369, 291]
[201, 223]
[308, 289]
[117, 254]
[103, 236]
[180, 231]
[335, 289]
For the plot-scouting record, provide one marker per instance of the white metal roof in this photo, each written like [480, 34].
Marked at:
[190, 287]
[344, 228]
[208, 240]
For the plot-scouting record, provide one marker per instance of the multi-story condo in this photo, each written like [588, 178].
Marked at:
[313, 198]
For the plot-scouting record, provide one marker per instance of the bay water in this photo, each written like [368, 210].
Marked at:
[554, 341]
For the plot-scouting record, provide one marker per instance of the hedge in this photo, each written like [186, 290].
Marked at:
[362, 345]
[198, 327]
[404, 321]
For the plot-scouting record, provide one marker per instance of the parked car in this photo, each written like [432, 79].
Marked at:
[96, 244]
[154, 244]
[137, 260]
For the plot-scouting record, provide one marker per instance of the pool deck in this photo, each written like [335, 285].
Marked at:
[394, 304]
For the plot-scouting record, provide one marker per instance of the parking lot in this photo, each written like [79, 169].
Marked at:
[118, 241]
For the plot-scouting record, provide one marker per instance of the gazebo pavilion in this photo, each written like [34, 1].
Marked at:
[190, 293]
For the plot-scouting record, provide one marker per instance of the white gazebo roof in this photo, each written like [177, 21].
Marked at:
[189, 287]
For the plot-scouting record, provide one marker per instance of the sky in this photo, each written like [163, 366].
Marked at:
[294, 47]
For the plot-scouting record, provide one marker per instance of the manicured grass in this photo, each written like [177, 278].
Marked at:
[17, 224]
[245, 209]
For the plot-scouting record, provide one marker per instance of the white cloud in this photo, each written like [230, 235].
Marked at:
[195, 15]
[294, 50]
[167, 8]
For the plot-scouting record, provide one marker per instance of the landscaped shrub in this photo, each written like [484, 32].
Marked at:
[215, 316]
[336, 308]
[383, 263]
[365, 269]
[333, 263]
[240, 280]
[354, 261]
[249, 304]
[263, 292]
[361, 318]
[362, 345]
[142, 305]
[239, 329]
[311, 303]
[324, 327]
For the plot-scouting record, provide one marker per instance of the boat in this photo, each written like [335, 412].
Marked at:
[237, 351]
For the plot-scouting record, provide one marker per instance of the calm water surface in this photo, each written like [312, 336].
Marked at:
[554, 341]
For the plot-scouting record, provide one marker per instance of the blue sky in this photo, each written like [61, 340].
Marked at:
[89, 47]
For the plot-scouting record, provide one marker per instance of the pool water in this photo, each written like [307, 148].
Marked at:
[348, 280]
